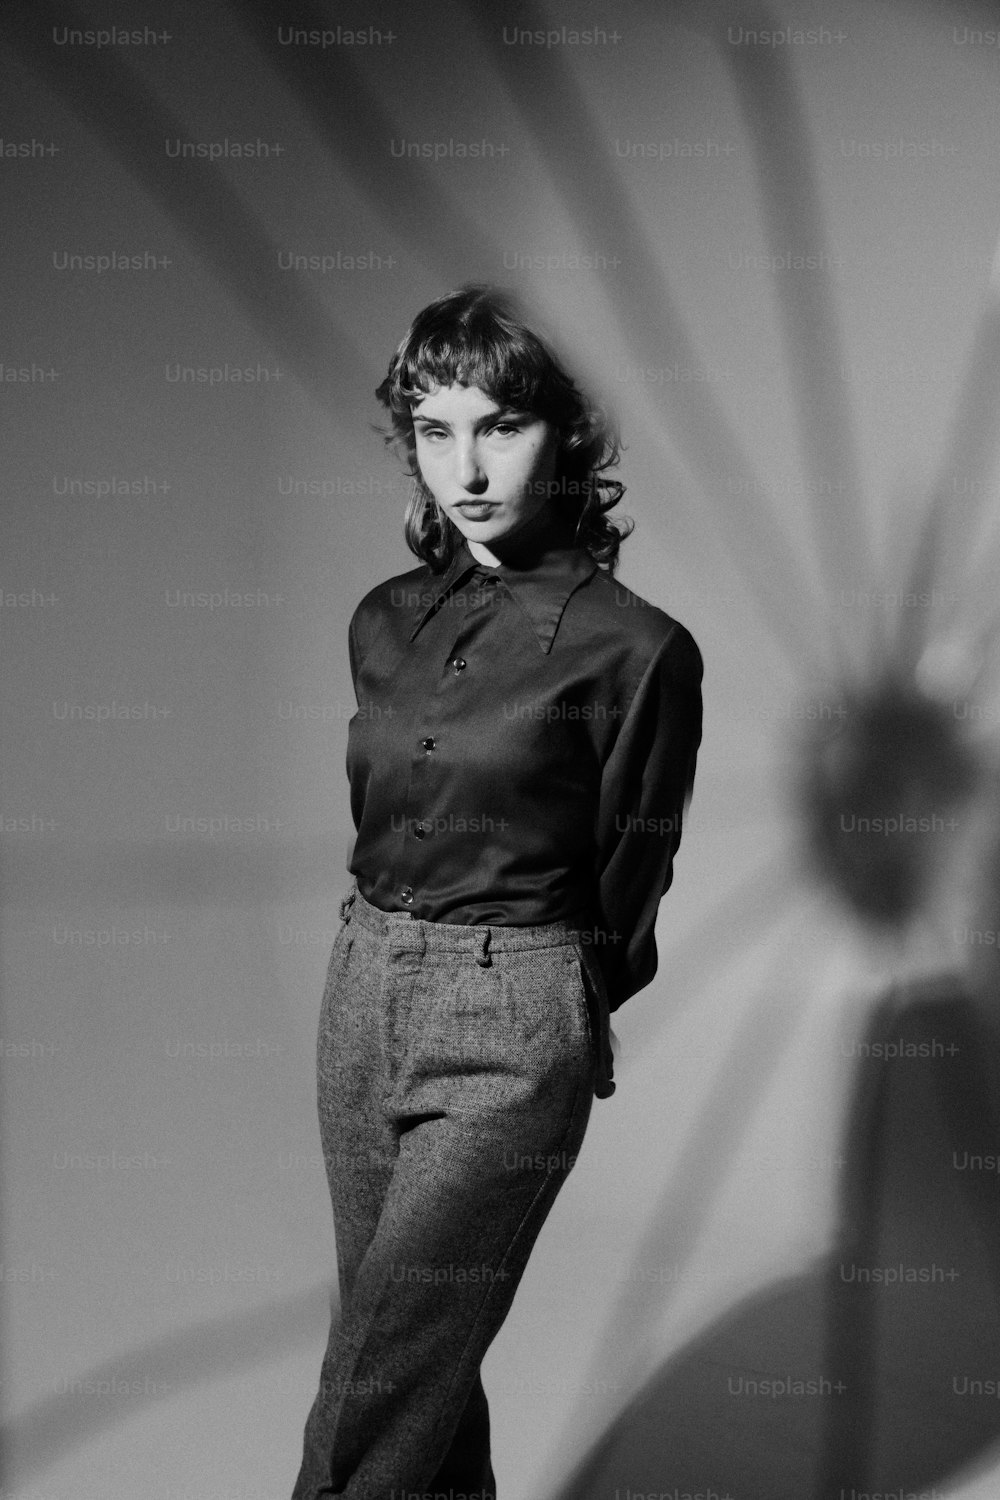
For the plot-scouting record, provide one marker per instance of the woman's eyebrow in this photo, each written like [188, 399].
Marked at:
[502, 414]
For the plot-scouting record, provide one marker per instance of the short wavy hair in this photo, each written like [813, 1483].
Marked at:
[477, 336]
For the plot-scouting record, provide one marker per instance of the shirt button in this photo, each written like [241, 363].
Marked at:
[406, 895]
[428, 744]
[419, 831]
[459, 664]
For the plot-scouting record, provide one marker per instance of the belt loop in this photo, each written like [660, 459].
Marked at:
[347, 903]
[483, 958]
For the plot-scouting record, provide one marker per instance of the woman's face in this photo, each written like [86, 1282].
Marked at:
[489, 467]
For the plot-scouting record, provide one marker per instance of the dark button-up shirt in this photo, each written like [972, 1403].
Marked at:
[523, 749]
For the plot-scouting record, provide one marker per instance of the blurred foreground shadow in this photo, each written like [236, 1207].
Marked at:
[878, 1372]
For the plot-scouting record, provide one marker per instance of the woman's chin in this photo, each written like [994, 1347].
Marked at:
[487, 531]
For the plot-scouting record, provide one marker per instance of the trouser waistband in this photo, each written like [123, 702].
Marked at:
[454, 937]
[405, 931]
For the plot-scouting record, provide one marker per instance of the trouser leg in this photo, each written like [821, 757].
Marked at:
[467, 1468]
[492, 1086]
[360, 1147]
[432, 1292]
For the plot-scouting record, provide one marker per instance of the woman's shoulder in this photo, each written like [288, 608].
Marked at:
[403, 590]
[649, 630]
[389, 604]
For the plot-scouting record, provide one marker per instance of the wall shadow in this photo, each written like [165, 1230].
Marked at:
[876, 1371]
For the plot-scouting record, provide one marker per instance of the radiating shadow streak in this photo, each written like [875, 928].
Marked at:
[903, 647]
[979, 596]
[980, 601]
[967, 475]
[987, 668]
[745, 914]
[965, 486]
[900, 648]
[756, 1050]
[793, 219]
[349, 117]
[860, 1375]
[156, 1371]
[133, 126]
[967, 482]
[957, 507]
[553, 106]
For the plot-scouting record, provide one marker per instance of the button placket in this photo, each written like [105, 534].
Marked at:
[428, 744]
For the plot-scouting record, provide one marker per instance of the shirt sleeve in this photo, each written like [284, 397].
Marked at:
[354, 648]
[645, 787]
[365, 624]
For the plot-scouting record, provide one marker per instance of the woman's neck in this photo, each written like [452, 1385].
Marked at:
[545, 531]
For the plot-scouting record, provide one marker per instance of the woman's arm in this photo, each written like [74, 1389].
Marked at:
[645, 787]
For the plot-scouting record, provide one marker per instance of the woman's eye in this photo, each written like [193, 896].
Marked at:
[507, 428]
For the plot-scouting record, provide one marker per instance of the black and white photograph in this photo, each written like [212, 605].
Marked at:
[500, 817]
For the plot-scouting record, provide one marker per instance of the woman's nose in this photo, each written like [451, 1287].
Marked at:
[468, 467]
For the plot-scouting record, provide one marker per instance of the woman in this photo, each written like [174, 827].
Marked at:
[523, 749]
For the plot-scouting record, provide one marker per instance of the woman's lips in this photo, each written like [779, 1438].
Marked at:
[476, 510]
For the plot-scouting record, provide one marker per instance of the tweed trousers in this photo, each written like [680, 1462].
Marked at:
[456, 1070]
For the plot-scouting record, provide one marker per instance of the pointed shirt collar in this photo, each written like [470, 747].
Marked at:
[540, 584]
